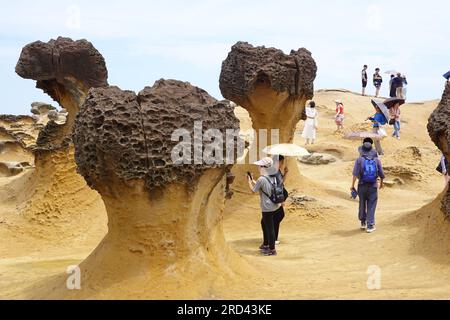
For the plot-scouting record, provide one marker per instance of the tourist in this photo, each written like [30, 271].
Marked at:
[398, 83]
[367, 170]
[364, 79]
[377, 81]
[395, 113]
[392, 89]
[405, 87]
[281, 175]
[311, 123]
[339, 117]
[264, 186]
[378, 121]
[443, 168]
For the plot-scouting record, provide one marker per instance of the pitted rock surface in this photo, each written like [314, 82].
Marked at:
[439, 122]
[65, 70]
[439, 130]
[246, 65]
[61, 60]
[130, 135]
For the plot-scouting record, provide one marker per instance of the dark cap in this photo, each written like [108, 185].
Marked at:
[370, 140]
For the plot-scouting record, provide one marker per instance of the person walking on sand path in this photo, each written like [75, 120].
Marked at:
[311, 123]
[364, 79]
[367, 170]
[377, 81]
[339, 117]
[265, 187]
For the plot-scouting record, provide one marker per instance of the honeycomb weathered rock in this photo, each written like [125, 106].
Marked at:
[439, 130]
[128, 135]
[246, 65]
[65, 70]
[274, 88]
[59, 62]
[439, 123]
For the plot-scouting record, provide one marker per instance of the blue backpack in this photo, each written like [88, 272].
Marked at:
[369, 170]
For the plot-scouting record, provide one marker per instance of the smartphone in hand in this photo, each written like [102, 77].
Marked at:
[249, 174]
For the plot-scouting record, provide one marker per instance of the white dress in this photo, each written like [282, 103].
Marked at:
[309, 132]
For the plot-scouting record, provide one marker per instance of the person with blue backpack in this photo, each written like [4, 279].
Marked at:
[367, 170]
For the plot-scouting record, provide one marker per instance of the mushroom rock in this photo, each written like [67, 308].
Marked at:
[273, 87]
[439, 130]
[65, 70]
[165, 219]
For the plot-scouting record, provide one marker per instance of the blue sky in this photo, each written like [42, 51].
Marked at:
[143, 41]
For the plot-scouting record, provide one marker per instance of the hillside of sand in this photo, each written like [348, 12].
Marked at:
[323, 254]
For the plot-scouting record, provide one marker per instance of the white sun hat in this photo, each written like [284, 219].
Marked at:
[265, 162]
[338, 101]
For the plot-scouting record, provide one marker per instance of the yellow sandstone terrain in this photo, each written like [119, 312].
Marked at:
[323, 254]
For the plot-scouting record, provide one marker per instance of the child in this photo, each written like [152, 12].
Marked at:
[339, 117]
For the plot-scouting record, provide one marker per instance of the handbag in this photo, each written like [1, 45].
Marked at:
[382, 132]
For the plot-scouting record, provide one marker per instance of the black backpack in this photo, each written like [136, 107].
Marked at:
[279, 194]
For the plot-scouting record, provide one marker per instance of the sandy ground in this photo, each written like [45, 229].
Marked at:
[323, 253]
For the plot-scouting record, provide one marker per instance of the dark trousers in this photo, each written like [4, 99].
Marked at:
[279, 216]
[270, 225]
[368, 199]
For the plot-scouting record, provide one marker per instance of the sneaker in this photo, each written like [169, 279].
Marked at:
[263, 248]
[277, 243]
[371, 229]
[363, 225]
[269, 252]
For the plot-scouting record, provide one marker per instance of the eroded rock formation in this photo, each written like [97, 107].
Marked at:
[65, 70]
[162, 217]
[439, 130]
[15, 144]
[273, 87]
